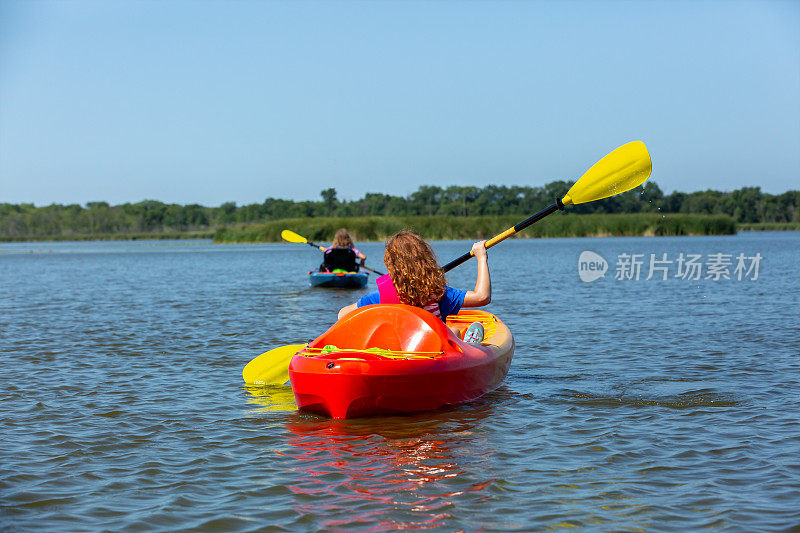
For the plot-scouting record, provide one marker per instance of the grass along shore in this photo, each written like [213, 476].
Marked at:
[483, 227]
[449, 228]
[172, 235]
[768, 226]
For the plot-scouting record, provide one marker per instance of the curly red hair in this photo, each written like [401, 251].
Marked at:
[413, 268]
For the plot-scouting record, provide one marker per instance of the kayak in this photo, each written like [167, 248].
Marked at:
[395, 359]
[344, 280]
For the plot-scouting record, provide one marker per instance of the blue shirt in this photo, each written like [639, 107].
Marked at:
[450, 304]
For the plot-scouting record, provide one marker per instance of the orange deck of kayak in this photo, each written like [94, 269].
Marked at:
[420, 365]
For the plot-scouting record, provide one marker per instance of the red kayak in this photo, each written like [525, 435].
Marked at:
[392, 359]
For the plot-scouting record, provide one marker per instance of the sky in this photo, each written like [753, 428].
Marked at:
[208, 101]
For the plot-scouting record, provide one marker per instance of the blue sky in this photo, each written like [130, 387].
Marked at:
[208, 101]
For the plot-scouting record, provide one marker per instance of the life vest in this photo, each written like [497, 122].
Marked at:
[388, 295]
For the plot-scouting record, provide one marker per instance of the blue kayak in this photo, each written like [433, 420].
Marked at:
[342, 280]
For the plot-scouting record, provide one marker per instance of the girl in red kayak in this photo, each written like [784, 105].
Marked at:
[415, 278]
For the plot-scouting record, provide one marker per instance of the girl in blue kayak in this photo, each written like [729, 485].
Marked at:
[342, 254]
[416, 279]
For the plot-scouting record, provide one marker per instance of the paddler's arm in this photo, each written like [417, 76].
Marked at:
[359, 254]
[368, 299]
[482, 294]
[344, 311]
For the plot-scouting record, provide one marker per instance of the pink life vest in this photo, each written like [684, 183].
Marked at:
[388, 295]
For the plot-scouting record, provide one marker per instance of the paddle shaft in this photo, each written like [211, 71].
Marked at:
[371, 269]
[557, 206]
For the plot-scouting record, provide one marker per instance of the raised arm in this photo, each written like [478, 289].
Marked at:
[482, 294]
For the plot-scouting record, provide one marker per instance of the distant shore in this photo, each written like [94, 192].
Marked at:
[443, 228]
[439, 228]
[175, 235]
[437, 213]
[449, 228]
[768, 226]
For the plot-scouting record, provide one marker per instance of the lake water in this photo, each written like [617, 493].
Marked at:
[631, 404]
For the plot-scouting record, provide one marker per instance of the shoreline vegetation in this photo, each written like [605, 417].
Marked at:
[436, 213]
[152, 236]
[769, 226]
[265, 233]
[442, 228]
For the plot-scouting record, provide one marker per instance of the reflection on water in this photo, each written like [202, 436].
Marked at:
[387, 472]
[271, 397]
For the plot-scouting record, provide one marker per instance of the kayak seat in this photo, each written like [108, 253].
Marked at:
[339, 258]
[395, 327]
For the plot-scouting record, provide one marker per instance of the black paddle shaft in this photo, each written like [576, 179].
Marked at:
[557, 206]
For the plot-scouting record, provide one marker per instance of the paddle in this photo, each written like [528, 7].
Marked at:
[623, 169]
[271, 367]
[291, 236]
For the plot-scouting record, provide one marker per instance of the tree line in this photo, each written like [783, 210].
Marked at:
[746, 205]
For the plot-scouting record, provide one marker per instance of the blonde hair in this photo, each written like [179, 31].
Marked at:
[413, 268]
[342, 239]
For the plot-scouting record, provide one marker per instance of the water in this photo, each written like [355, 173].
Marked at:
[630, 404]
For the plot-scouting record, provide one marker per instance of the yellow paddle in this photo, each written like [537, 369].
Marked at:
[623, 169]
[291, 236]
[272, 367]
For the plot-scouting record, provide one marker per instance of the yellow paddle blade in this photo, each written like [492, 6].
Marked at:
[272, 367]
[623, 169]
[293, 237]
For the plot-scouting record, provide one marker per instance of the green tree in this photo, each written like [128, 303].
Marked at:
[426, 200]
[329, 199]
[227, 213]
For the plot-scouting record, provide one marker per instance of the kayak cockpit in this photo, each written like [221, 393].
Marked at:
[394, 327]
